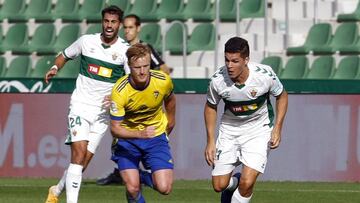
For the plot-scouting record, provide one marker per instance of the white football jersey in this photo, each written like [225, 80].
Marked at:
[100, 67]
[249, 103]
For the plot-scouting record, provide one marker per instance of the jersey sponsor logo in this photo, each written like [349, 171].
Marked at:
[100, 70]
[243, 108]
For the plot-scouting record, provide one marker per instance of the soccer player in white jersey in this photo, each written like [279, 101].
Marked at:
[247, 128]
[103, 62]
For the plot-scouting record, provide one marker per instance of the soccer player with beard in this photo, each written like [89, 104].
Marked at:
[103, 62]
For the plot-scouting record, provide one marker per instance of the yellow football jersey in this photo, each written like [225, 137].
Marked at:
[141, 108]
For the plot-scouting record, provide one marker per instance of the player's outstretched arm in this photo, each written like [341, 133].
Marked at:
[210, 114]
[59, 63]
[170, 107]
[120, 132]
[281, 108]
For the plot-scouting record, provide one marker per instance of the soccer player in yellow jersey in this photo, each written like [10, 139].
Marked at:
[140, 124]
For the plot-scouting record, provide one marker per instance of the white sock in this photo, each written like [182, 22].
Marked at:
[73, 182]
[233, 184]
[237, 198]
[61, 185]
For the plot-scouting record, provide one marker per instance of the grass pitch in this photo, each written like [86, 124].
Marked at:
[14, 190]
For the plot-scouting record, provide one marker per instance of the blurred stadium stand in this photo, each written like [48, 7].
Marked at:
[302, 39]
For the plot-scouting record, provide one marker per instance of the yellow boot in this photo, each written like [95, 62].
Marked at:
[52, 198]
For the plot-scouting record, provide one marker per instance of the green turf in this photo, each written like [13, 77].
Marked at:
[35, 190]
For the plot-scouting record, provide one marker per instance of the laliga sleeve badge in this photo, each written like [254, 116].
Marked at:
[113, 107]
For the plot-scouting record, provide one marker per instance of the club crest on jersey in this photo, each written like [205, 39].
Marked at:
[74, 133]
[114, 56]
[156, 94]
[253, 92]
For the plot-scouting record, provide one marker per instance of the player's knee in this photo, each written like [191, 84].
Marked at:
[218, 188]
[246, 186]
[219, 185]
[164, 188]
[132, 188]
[79, 159]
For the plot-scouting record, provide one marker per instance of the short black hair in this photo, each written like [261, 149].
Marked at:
[238, 45]
[137, 19]
[112, 9]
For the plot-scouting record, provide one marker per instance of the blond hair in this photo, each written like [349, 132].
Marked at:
[137, 51]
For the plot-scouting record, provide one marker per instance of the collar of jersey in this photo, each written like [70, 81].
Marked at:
[138, 88]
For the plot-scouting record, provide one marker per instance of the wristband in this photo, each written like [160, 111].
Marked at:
[54, 67]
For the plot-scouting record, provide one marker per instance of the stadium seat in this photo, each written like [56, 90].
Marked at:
[319, 35]
[2, 66]
[12, 8]
[348, 68]
[19, 67]
[351, 49]
[42, 66]
[275, 62]
[94, 28]
[44, 35]
[203, 10]
[38, 9]
[295, 68]
[252, 9]
[1, 34]
[354, 16]
[202, 38]
[16, 36]
[174, 39]
[248, 9]
[345, 35]
[322, 68]
[145, 9]
[121, 33]
[67, 35]
[198, 10]
[70, 70]
[66, 9]
[90, 10]
[151, 33]
[228, 10]
[125, 5]
[168, 8]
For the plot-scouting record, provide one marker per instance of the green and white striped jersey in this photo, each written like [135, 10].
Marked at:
[101, 66]
[245, 104]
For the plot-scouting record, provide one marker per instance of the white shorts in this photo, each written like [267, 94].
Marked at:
[87, 123]
[248, 146]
